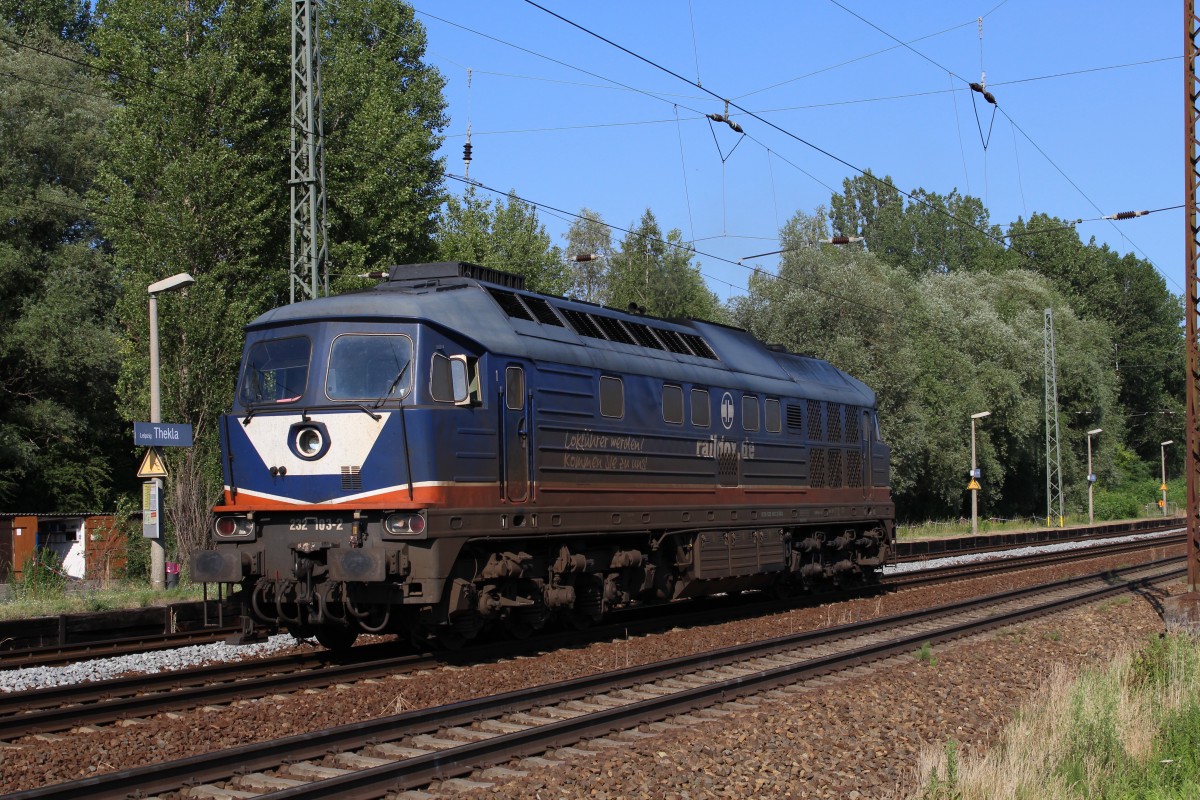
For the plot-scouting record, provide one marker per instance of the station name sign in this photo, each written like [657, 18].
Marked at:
[162, 434]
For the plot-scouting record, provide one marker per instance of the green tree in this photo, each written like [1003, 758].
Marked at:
[937, 348]
[61, 447]
[384, 113]
[197, 175]
[657, 274]
[589, 237]
[928, 232]
[68, 20]
[505, 235]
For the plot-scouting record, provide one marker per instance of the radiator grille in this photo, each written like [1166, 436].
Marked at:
[816, 467]
[835, 468]
[351, 480]
[854, 477]
[814, 420]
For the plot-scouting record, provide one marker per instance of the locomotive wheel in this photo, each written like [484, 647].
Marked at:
[336, 637]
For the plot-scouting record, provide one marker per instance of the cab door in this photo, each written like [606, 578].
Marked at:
[516, 435]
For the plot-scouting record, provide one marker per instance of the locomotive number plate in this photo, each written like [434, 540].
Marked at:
[315, 524]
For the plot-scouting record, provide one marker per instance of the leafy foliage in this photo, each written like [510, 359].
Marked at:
[505, 235]
[656, 274]
[59, 436]
[196, 182]
[938, 347]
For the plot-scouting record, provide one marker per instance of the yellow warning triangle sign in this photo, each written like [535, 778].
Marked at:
[1162, 488]
[152, 465]
[973, 485]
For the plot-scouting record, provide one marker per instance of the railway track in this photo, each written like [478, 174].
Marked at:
[910, 551]
[53, 709]
[375, 758]
[55, 655]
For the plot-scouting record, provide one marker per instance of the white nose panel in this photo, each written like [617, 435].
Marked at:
[351, 437]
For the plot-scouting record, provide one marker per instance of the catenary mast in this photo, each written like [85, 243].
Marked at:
[309, 243]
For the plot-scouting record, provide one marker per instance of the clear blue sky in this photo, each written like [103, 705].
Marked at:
[597, 127]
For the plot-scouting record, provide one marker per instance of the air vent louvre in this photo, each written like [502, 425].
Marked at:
[795, 418]
[583, 323]
[511, 304]
[853, 430]
[835, 468]
[814, 420]
[644, 335]
[543, 311]
[351, 479]
[613, 329]
[673, 341]
[833, 422]
[816, 467]
[854, 476]
[698, 345]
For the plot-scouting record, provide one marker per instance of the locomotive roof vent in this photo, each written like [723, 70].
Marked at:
[455, 269]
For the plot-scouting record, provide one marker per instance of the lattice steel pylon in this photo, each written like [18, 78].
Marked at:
[1053, 450]
[310, 245]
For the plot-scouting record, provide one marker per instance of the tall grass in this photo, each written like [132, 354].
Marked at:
[1131, 729]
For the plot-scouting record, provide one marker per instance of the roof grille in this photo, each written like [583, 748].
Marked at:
[542, 310]
[673, 341]
[583, 323]
[644, 335]
[698, 345]
[612, 329]
[511, 304]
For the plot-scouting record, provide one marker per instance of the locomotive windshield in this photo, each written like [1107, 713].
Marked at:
[276, 371]
[371, 367]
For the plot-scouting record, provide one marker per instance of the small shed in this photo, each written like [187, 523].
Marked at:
[89, 545]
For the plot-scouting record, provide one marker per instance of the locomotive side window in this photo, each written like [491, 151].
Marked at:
[749, 412]
[448, 381]
[369, 367]
[612, 397]
[672, 404]
[773, 417]
[701, 409]
[276, 371]
[514, 388]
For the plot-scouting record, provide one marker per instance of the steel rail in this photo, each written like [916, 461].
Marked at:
[56, 655]
[377, 781]
[59, 708]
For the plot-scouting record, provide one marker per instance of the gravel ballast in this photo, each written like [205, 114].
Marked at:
[858, 734]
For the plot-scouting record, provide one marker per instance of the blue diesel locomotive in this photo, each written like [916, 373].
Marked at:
[447, 451]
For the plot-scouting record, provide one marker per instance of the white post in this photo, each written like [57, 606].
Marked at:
[974, 492]
[974, 475]
[158, 557]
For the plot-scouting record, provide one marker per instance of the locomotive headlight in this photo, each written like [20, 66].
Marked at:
[405, 523]
[233, 527]
[308, 440]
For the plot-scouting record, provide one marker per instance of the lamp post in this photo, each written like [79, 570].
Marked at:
[1163, 450]
[1091, 475]
[171, 284]
[974, 484]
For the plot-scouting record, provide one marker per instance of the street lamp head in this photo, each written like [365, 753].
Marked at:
[1167, 442]
[1094, 431]
[180, 281]
[981, 415]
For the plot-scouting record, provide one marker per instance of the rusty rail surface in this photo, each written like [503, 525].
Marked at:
[420, 770]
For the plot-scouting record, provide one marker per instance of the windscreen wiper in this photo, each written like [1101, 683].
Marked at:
[392, 387]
